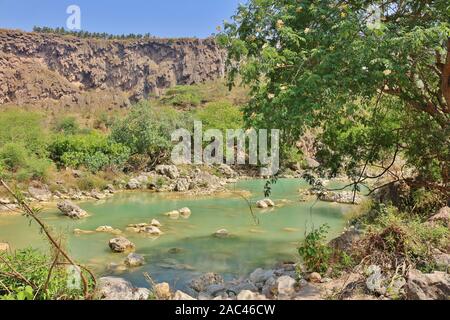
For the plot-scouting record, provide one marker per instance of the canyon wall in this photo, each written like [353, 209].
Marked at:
[55, 70]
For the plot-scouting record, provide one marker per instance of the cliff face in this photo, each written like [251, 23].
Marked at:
[48, 69]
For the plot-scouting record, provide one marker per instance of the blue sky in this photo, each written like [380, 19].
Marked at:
[164, 18]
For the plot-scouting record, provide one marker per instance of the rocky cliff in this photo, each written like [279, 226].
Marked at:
[50, 69]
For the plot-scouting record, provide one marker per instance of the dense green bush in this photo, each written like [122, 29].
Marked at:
[33, 268]
[26, 128]
[67, 125]
[147, 131]
[221, 116]
[183, 96]
[16, 159]
[316, 254]
[92, 151]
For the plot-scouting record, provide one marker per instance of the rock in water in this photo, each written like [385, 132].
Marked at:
[134, 260]
[156, 223]
[121, 244]
[222, 233]
[185, 212]
[112, 288]
[151, 230]
[162, 291]
[173, 214]
[269, 202]
[71, 210]
[108, 229]
[262, 204]
[432, 286]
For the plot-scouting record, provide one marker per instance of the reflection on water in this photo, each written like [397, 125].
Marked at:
[187, 247]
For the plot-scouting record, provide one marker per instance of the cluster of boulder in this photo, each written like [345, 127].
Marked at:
[166, 178]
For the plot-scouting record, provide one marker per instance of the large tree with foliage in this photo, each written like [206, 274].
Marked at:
[372, 75]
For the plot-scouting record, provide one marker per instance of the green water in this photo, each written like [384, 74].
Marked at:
[251, 245]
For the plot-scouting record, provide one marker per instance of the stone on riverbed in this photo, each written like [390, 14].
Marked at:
[185, 212]
[222, 233]
[175, 214]
[71, 210]
[156, 223]
[108, 229]
[121, 244]
[134, 260]
[151, 230]
[265, 203]
[112, 288]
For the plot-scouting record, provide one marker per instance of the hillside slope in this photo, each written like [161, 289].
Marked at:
[53, 70]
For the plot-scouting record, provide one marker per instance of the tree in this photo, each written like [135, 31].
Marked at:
[146, 131]
[378, 88]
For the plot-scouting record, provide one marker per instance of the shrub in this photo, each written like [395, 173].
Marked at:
[92, 151]
[183, 96]
[67, 125]
[34, 267]
[394, 238]
[147, 131]
[25, 128]
[15, 158]
[314, 251]
[221, 116]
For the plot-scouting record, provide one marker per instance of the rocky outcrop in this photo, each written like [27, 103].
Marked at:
[39, 192]
[54, 70]
[433, 286]
[112, 288]
[71, 210]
